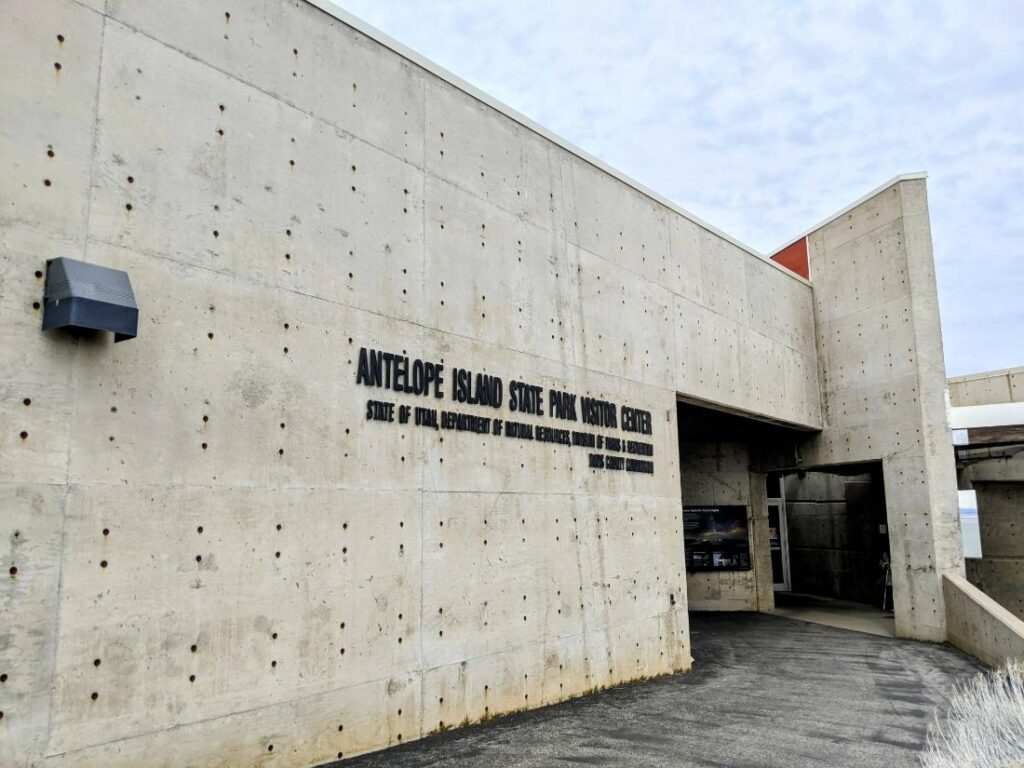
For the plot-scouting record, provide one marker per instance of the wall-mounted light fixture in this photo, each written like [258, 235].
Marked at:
[81, 295]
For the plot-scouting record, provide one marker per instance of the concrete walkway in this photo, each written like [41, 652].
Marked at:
[764, 691]
[835, 613]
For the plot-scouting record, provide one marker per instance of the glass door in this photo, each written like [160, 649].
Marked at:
[778, 544]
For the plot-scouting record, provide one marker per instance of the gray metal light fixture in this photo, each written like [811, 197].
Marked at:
[81, 295]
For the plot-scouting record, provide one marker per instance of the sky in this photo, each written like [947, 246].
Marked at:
[763, 118]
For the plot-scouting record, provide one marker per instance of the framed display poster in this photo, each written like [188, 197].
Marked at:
[716, 538]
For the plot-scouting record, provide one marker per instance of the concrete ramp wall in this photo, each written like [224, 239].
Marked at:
[978, 625]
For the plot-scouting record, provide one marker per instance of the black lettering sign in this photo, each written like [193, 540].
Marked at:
[561, 405]
[526, 398]
[400, 373]
[397, 372]
[636, 420]
[598, 413]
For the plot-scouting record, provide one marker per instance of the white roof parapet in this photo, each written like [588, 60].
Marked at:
[424, 63]
[987, 374]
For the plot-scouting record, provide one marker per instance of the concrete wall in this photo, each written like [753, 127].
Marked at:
[213, 557]
[998, 483]
[835, 544]
[980, 626]
[718, 473]
[999, 573]
[989, 388]
[1002, 579]
[883, 386]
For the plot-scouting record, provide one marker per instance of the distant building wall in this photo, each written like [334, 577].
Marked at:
[999, 572]
[989, 388]
[991, 462]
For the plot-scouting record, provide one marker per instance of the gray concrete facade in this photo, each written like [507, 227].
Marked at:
[213, 557]
[988, 388]
[765, 692]
[990, 461]
[883, 386]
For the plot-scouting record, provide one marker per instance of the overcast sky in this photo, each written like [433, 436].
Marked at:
[765, 117]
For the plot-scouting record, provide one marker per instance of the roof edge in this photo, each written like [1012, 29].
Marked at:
[331, 9]
[862, 199]
[986, 374]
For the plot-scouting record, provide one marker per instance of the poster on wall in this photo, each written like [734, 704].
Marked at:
[716, 538]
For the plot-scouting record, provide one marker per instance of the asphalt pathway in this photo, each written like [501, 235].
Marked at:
[764, 691]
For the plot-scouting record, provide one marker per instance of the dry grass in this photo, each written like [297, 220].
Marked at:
[984, 726]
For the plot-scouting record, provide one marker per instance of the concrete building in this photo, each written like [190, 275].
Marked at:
[988, 434]
[418, 396]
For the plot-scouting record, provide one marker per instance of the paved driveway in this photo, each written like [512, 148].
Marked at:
[764, 691]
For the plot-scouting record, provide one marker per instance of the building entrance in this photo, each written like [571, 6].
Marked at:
[778, 544]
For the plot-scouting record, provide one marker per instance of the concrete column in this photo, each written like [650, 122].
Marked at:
[760, 553]
[883, 386]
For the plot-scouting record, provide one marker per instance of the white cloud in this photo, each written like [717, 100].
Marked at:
[765, 118]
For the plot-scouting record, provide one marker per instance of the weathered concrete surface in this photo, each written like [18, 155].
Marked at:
[764, 691]
[718, 473]
[883, 386]
[210, 551]
[1000, 571]
[1002, 579]
[979, 625]
[988, 388]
